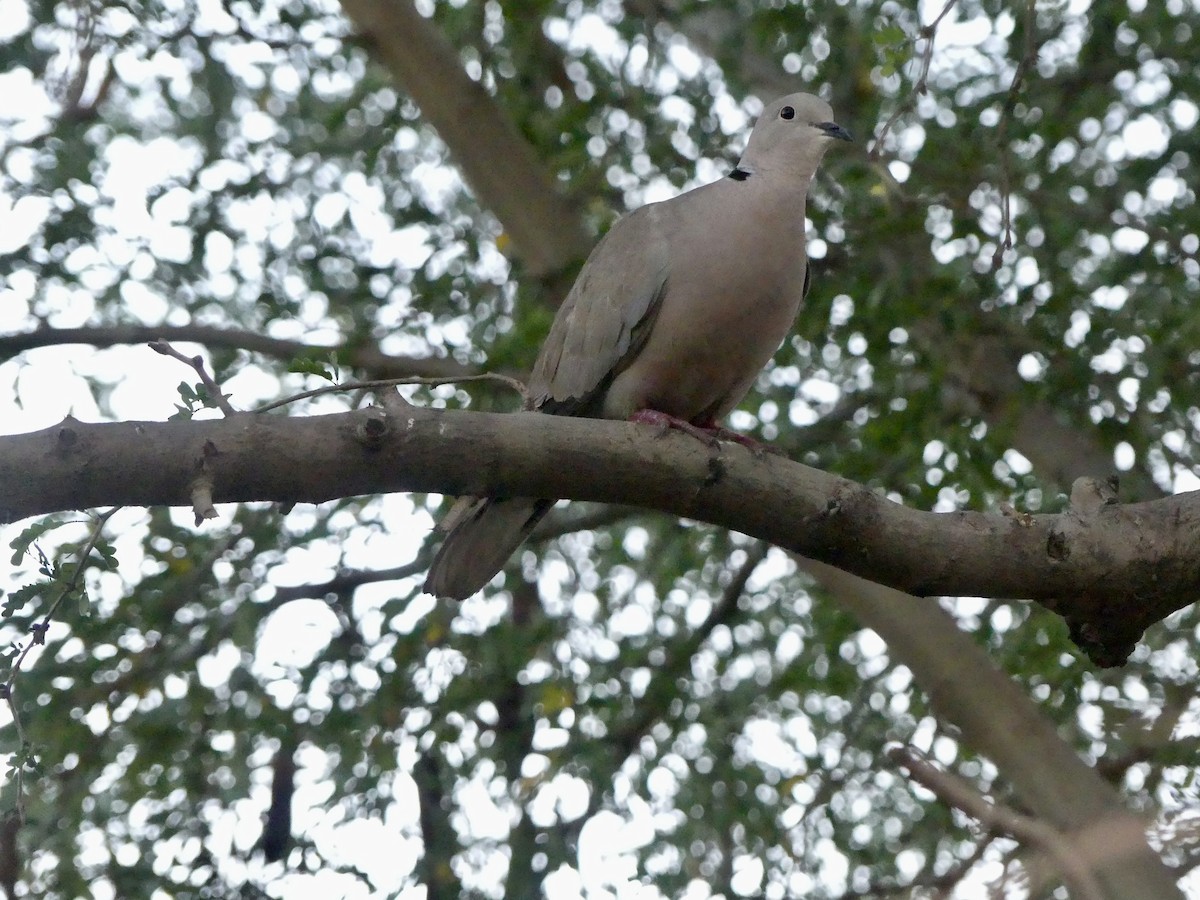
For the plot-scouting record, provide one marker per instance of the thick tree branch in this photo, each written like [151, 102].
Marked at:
[501, 166]
[1060, 451]
[441, 842]
[1046, 775]
[1111, 570]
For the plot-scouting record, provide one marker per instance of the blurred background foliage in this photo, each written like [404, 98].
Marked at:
[1005, 270]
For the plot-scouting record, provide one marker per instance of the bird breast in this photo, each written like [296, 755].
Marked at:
[723, 315]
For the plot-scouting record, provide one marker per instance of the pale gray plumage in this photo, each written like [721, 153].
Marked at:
[677, 310]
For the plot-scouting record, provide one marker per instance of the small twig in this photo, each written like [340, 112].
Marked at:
[345, 583]
[393, 382]
[197, 363]
[38, 631]
[942, 885]
[755, 554]
[1010, 101]
[959, 794]
[927, 33]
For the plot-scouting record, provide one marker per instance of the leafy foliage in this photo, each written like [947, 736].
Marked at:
[1002, 302]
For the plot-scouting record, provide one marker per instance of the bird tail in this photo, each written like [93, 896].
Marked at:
[482, 536]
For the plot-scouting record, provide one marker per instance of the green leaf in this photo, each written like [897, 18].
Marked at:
[21, 543]
[306, 365]
[16, 600]
[104, 555]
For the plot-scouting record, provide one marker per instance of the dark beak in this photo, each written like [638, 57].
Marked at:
[834, 130]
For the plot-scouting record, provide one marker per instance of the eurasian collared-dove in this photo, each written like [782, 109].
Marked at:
[671, 319]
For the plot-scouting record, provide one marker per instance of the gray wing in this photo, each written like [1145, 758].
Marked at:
[606, 317]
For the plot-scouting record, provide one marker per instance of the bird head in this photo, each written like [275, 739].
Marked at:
[792, 134]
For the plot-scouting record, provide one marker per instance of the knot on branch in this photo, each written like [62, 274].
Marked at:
[67, 437]
[1090, 495]
[372, 432]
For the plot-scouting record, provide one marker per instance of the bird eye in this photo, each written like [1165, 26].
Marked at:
[787, 113]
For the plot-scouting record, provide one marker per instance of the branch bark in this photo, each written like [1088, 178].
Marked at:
[1111, 570]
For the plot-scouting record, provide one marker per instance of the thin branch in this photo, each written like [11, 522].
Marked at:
[346, 582]
[943, 885]
[957, 793]
[38, 638]
[1151, 740]
[214, 390]
[929, 33]
[393, 382]
[626, 738]
[1046, 775]
[358, 355]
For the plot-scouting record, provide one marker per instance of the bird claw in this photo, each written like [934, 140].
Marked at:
[665, 422]
[758, 448]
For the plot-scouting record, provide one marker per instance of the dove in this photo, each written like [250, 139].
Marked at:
[672, 317]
